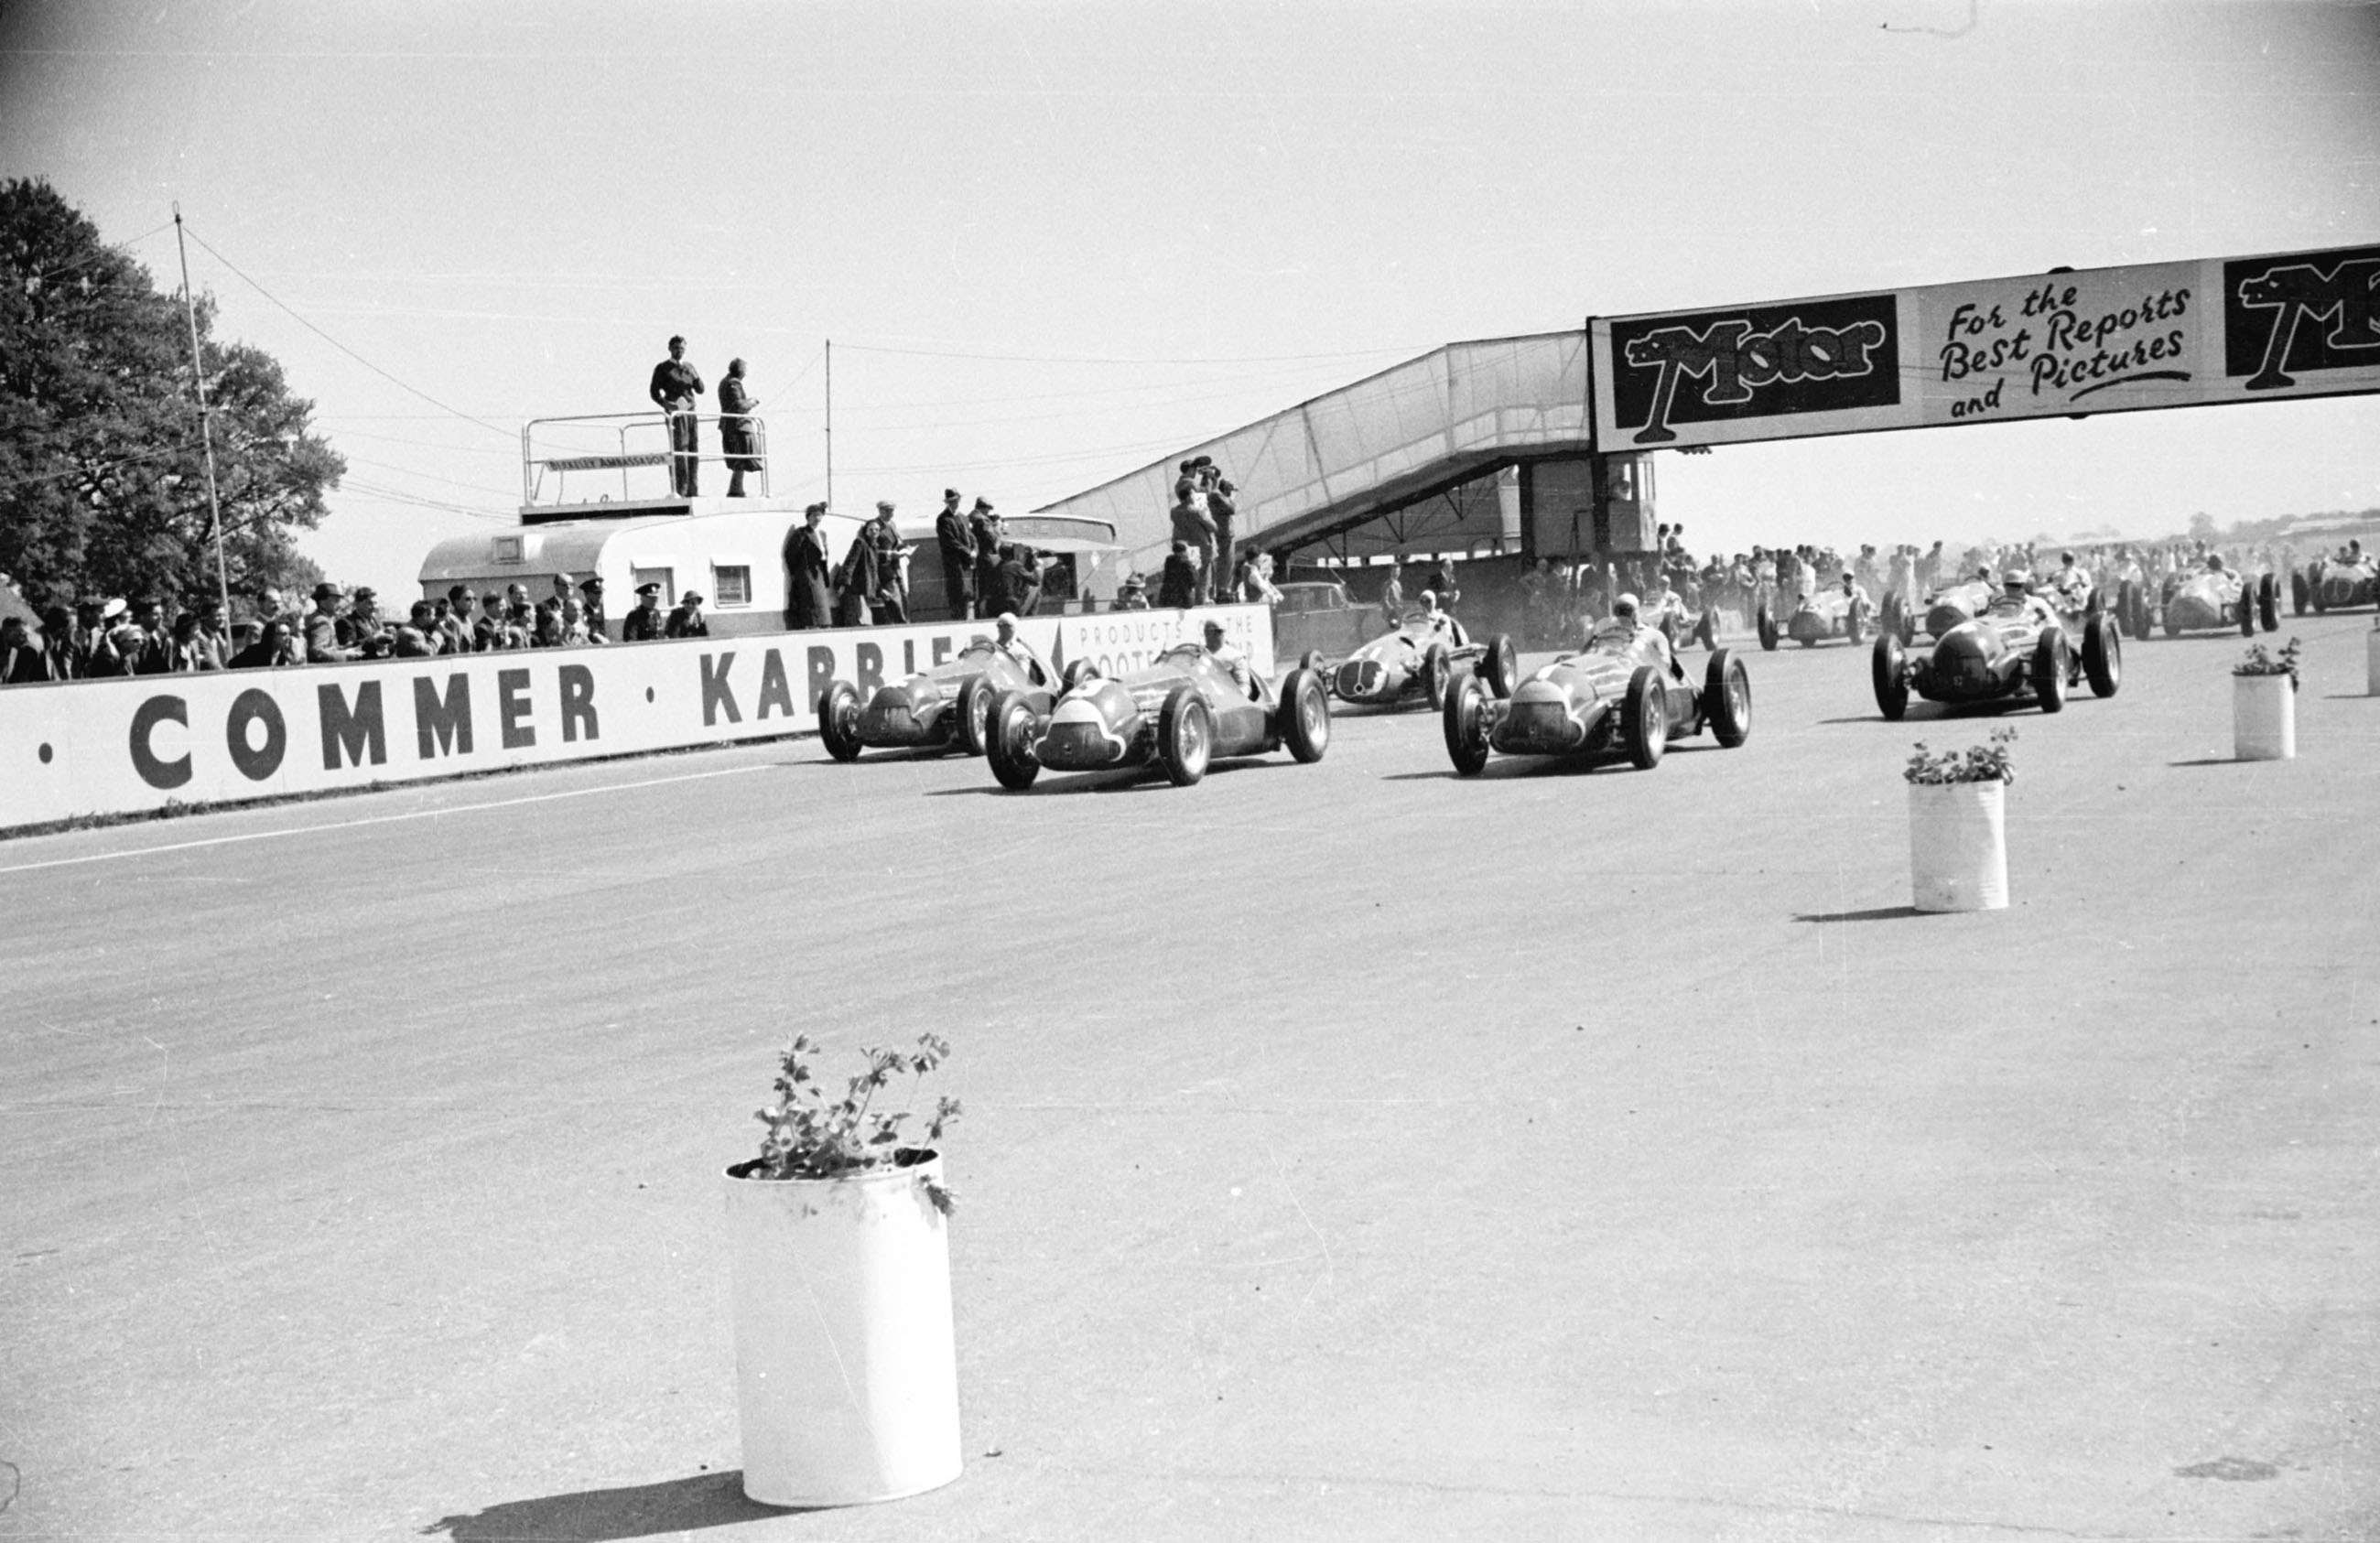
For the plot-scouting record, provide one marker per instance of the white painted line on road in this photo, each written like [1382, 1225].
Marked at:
[379, 819]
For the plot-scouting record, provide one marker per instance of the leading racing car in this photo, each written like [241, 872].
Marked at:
[1180, 713]
[1420, 660]
[1624, 694]
[2016, 650]
[946, 707]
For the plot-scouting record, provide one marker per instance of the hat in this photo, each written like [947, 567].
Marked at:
[1135, 582]
[883, 505]
[592, 581]
[491, 598]
[951, 495]
[691, 599]
[112, 609]
[983, 504]
[326, 589]
[649, 589]
[365, 591]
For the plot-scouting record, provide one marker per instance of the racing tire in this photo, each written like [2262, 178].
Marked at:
[975, 716]
[1312, 660]
[1766, 626]
[2268, 604]
[2103, 656]
[1852, 630]
[1435, 673]
[2247, 609]
[2314, 596]
[1645, 718]
[1076, 673]
[1186, 735]
[1727, 699]
[1501, 666]
[2049, 671]
[2297, 600]
[2128, 608]
[1466, 726]
[1888, 671]
[1305, 711]
[1706, 630]
[1888, 615]
[1009, 743]
[839, 720]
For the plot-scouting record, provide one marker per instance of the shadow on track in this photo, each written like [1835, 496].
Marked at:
[1881, 912]
[600, 1515]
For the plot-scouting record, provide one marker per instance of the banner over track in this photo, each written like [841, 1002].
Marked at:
[2066, 343]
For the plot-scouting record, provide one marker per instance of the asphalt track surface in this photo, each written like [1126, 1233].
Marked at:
[1351, 1152]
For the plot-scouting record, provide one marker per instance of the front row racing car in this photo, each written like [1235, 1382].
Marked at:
[1622, 695]
[1419, 659]
[2016, 650]
[944, 708]
[2194, 602]
[1181, 712]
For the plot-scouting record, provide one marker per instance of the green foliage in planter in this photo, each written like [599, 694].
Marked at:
[1977, 763]
[814, 1133]
[2262, 661]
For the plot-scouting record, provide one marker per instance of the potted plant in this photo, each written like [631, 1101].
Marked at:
[2371, 659]
[2264, 704]
[1958, 825]
[846, 1374]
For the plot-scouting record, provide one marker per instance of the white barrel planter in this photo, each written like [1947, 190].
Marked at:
[2372, 662]
[2263, 718]
[1958, 846]
[846, 1369]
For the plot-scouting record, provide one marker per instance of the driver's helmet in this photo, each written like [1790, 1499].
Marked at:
[2214, 562]
[1624, 608]
[2014, 581]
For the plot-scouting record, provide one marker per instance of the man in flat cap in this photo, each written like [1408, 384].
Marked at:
[590, 602]
[644, 624]
[675, 386]
[323, 640]
[888, 600]
[956, 540]
[809, 593]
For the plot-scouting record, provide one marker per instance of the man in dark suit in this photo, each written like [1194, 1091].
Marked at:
[644, 624]
[809, 595]
[984, 525]
[952, 534]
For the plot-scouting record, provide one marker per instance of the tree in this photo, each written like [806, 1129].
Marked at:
[2202, 527]
[103, 475]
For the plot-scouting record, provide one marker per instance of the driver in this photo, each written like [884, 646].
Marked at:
[1626, 629]
[2014, 600]
[1005, 640]
[2073, 586]
[1230, 658]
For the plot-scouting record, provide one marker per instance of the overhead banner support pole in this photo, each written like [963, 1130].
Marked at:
[206, 428]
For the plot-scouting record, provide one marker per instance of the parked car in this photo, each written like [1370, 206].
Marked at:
[1183, 713]
[946, 707]
[1623, 695]
[2010, 652]
[1320, 617]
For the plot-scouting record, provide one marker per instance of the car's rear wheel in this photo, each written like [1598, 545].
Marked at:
[1078, 672]
[1501, 665]
[1852, 627]
[2049, 671]
[839, 720]
[1009, 742]
[975, 714]
[2247, 609]
[1706, 630]
[2103, 656]
[2128, 607]
[1186, 735]
[1466, 725]
[1727, 699]
[1305, 711]
[2268, 603]
[1435, 673]
[2298, 592]
[2320, 602]
[1645, 718]
[1887, 669]
[1766, 626]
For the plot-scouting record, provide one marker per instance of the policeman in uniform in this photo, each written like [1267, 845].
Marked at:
[644, 624]
[983, 525]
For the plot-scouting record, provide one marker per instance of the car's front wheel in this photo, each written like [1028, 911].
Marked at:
[1501, 665]
[1304, 716]
[975, 716]
[1466, 726]
[839, 720]
[2103, 657]
[1645, 718]
[2049, 671]
[1186, 735]
[1009, 742]
[1727, 699]
[1888, 671]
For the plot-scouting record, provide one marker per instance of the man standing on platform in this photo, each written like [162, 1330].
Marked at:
[735, 438]
[984, 525]
[675, 386]
[809, 595]
[958, 542]
[1222, 509]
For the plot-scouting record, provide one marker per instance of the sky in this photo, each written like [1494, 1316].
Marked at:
[1051, 243]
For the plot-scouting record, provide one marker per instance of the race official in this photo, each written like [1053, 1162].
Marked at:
[644, 624]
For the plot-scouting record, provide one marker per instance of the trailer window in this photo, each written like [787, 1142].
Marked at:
[665, 577]
[730, 586]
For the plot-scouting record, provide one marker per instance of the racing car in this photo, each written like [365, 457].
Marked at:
[2212, 597]
[2335, 583]
[1945, 608]
[1420, 659]
[1619, 696]
[2005, 654]
[1823, 614]
[948, 706]
[1181, 712]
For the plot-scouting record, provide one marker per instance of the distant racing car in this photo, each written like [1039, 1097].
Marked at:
[2205, 599]
[1944, 608]
[2010, 652]
[946, 707]
[1183, 713]
[1829, 613]
[2335, 583]
[1621, 696]
[1418, 660]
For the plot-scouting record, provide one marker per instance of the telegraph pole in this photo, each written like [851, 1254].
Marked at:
[206, 430]
[830, 423]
